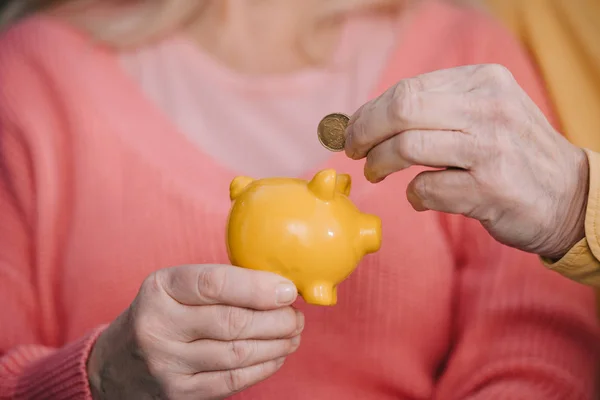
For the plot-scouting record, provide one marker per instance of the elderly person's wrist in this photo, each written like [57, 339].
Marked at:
[567, 228]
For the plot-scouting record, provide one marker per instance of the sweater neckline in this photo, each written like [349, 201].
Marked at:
[302, 79]
[148, 130]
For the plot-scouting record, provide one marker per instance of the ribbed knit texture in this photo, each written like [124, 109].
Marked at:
[98, 189]
[37, 372]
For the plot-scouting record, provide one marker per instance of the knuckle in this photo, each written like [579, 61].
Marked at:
[416, 84]
[142, 316]
[495, 110]
[359, 134]
[146, 329]
[144, 346]
[372, 157]
[153, 282]
[240, 352]
[161, 371]
[422, 188]
[236, 380]
[236, 321]
[501, 153]
[405, 103]
[211, 282]
[375, 160]
[497, 74]
[401, 147]
[139, 322]
[409, 146]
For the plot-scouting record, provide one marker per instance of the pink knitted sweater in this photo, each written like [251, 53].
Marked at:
[98, 189]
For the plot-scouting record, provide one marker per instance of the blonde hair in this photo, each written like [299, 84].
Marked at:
[124, 23]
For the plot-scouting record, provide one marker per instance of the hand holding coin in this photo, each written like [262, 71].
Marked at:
[494, 155]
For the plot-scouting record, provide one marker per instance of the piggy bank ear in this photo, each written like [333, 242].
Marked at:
[324, 184]
[237, 186]
[343, 184]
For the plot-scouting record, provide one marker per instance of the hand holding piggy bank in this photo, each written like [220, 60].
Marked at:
[308, 232]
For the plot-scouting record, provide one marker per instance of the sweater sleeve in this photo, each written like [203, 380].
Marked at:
[521, 331]
[28, 368]
[34, 362]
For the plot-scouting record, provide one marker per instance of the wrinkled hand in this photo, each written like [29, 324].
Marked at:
[197, 332]
[497, 158]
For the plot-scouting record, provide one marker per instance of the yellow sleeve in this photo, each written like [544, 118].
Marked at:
[582, 262]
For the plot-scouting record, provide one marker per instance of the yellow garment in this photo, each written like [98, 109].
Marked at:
[563, 36]
[581, 262]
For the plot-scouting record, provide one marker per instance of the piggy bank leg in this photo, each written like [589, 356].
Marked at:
[321, 294]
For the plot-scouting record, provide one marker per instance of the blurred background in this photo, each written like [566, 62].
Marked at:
[561, 37]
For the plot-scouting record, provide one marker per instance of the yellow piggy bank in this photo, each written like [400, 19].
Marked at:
[308, 232]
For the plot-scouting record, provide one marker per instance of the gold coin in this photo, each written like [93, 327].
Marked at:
[332, 131]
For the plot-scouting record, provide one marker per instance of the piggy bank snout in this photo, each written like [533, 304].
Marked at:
[370, 233]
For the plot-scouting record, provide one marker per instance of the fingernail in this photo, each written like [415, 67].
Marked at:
[295, 342]
[279, 362]
[286, 293]
[299, 322]
[415, 201]
[348, 142]
[350, 154]
[371, 176]
[348, 132]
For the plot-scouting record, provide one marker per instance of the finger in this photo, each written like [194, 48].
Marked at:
[401, 109]
[210, 355]
[459, 79]
[437, 149]
[233, 323]
[199, 285]
[467, 78]
[439, 100]
[451, 191]
[222, 384]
